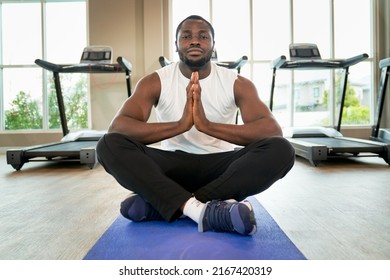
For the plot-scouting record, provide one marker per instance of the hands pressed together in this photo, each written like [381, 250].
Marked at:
[193, 111]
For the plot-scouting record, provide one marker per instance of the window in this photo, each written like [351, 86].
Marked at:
[32, 29]
[263, 30]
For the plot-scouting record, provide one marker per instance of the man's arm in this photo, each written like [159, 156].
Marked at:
[131, 119]
[258, 121]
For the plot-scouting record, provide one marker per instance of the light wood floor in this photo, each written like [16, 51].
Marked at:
[338, 210]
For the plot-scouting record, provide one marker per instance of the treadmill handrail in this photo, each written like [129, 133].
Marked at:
[124, 63]
[80, 68]
[354, 60]
[48, 65]
[127, 67]
[384, 62]
[278, 62]
[164, 61]
[282, 63]
[233, 64]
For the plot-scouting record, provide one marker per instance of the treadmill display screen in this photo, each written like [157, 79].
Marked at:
[304, 51]
[96, 55]
[103, 55]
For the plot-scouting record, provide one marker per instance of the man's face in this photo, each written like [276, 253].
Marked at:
[195, 43]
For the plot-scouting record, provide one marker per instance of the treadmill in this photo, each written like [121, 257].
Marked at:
[377, 133]
[317, 144]
[73, 146]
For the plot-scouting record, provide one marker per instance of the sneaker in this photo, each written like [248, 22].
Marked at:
[135, 208]
[228, 216]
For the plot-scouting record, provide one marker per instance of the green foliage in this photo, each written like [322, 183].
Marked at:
[356, 115]
[24, 113]
[353, 111]
[53, 112]
[77, 112]
[76, 105]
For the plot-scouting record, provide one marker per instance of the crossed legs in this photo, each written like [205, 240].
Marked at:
[168, 179]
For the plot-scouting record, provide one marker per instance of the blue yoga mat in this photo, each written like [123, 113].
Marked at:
[180, 240]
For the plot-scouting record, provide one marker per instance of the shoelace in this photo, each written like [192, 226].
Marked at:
[219, 216]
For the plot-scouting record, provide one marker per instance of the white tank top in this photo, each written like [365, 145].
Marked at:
[218, 102]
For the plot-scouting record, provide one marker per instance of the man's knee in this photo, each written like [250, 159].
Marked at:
[116, 144]
[278, 150]
[280, 145]
[283, 145]
[284, 153]
[109, 145]
[104, 143]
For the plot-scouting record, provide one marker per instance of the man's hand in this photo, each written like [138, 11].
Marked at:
[187, 119]
[199, 117]
[193, 111]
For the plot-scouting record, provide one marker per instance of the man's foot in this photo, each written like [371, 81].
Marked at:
[135, 208]
[228, 216]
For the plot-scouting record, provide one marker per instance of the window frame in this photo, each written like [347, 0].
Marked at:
[251, 64]
[45, 74]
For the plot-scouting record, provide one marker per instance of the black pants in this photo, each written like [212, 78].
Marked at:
[167, 179]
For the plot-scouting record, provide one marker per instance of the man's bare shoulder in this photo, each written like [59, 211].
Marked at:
[243, 80]
[243, 84]
[150, 79]
[149, 84]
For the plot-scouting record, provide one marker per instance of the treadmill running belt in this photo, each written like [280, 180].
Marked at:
[316, 149]
[80, 150]
[339, 143]
[63, 146]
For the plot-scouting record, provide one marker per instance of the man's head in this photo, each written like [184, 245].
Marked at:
[195, 17]
[195, 41]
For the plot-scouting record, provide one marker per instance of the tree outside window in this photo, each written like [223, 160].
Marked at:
[26, 103]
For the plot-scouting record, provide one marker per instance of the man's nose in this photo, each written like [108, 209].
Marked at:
[195, 40]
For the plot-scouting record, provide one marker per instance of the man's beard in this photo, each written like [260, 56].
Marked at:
[195, 64]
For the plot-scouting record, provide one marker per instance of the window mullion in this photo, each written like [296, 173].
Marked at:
[290, 104]
[251, 55]
[332, 87]
[2, 113]
[45, 117]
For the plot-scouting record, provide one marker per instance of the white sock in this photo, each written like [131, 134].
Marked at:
[193, 209]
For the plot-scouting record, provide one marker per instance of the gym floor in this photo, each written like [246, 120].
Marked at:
[337, 211]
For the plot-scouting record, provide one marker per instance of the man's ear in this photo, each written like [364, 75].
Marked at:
[176, 46]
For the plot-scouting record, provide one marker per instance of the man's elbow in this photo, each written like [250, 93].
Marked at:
[275, 129]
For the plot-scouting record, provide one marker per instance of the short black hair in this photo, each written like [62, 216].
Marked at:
[196, 17]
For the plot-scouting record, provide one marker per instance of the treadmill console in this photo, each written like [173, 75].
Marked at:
[304, 51]
[97, 55]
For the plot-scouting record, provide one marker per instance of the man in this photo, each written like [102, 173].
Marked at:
[197, 172]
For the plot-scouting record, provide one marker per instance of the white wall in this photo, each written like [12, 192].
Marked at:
[134, 29]
[113, 23]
